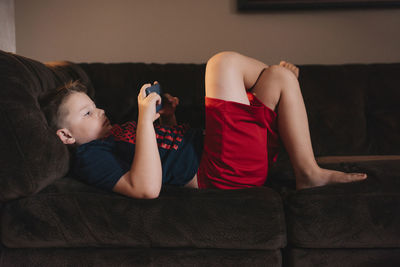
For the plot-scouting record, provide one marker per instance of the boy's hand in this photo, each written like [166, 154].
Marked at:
[147, 104]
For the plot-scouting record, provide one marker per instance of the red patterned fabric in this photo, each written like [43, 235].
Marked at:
[125, 132]
[170, 137]
[167, 137]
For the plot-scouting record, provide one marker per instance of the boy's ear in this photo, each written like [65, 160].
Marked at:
[65, 136]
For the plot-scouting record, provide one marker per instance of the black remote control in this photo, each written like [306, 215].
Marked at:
[157, 89]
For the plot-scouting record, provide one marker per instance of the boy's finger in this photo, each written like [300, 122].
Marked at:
[142, 93]
[154, 97]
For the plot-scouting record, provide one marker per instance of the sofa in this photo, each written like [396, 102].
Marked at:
[49, 218]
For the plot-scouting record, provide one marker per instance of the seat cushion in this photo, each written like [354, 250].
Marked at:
[388, 257]
[71, 214]
[362, 214]
[105, 257]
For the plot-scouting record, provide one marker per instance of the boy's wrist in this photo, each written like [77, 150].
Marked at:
[145, 120]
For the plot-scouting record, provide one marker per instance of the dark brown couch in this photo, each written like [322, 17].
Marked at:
[50, 219]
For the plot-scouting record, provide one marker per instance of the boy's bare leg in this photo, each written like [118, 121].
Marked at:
[229, 74]
[293, 127]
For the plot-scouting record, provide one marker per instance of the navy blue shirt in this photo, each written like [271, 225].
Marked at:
[102, 162]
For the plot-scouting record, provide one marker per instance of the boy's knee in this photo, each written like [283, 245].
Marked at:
[225, 58]
[280, 73]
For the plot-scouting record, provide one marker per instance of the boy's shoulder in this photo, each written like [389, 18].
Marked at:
[105, 144]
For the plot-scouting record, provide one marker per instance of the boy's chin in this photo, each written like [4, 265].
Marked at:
[108, 128]
[106, 131]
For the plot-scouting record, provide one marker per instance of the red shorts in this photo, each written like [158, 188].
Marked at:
[241, 142]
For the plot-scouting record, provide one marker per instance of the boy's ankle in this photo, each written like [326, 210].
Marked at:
[306, 173]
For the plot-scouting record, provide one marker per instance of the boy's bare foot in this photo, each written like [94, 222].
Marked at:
[321, 177]
[290, 67]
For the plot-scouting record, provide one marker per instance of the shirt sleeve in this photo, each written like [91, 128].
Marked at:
[97, 165]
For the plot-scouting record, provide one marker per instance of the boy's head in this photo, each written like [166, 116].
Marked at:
[73, 115]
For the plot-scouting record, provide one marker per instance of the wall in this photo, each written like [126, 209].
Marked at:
[192, 30]
[7, 26]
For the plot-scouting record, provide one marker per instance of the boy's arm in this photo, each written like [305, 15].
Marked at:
[144, 179]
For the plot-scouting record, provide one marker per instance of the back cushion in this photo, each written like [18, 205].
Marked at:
[353, 109]
[118, 84]
[383, 110]
[31, 155]
[335, 100]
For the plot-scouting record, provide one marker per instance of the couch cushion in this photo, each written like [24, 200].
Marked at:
[31, 155]
[363, 214]
[71, 214]
[383, 110]
[352, 109]
[335, 98]
[348, 159]
[106, 257]
[343, 257]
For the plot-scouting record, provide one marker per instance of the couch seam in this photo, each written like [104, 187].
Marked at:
[280, 212]
[371, 194]
[348, 245]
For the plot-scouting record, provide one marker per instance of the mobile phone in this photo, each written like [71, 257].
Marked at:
[157, 89]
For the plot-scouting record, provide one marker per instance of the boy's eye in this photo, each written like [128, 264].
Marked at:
[87, 113]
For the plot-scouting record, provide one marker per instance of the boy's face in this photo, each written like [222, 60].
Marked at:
[83, 122]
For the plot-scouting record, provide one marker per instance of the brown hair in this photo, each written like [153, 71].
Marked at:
[51, 102]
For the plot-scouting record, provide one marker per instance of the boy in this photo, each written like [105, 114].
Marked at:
[242, 95]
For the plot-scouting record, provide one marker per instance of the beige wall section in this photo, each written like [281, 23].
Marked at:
[193, 30]
[7, 26]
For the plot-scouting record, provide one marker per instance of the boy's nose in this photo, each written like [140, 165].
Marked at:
[100, 112]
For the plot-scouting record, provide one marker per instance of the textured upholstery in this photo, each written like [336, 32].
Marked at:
[374, 257]
[33, 155]
[45, 219]
[353, 109]
[365, 214]
[105, 257]
[117, 86]
[70, 214]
